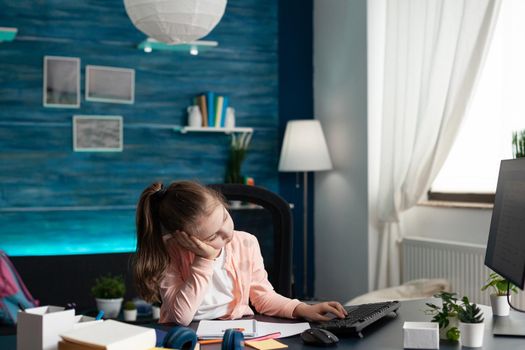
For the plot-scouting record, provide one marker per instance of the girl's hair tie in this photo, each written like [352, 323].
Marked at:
[160, 193]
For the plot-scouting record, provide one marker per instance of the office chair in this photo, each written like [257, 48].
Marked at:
[272, 226]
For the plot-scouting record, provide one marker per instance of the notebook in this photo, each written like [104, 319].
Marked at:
[109, 335]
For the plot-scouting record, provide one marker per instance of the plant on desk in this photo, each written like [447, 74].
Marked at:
[109, 292]
[498, 300]
[470, 324]
[445, 315]
[130, 311]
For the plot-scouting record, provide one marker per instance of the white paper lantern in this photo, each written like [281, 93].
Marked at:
[175, 21]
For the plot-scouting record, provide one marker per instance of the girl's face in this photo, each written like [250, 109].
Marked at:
[217, 228]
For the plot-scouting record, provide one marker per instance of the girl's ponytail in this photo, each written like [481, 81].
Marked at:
[151, 257]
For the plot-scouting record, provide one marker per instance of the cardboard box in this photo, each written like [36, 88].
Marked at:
[38, 328]
[421, 335]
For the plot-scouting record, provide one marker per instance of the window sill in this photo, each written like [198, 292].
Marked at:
[451, 204]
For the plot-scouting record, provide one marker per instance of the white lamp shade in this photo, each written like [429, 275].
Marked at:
[304, 147]
[175, 21]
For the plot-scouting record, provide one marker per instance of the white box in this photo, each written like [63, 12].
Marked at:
[38, 328]
[421, 335]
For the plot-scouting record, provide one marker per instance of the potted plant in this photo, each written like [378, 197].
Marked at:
[445, 315]
[238, 149]
[130, 311]
[471, 324]
[109, 293]
[518, 144]
[498, 299]
[155, 311]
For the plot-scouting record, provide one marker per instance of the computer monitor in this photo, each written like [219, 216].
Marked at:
[506, 244]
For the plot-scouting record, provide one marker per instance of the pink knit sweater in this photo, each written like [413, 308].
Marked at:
[186, 278]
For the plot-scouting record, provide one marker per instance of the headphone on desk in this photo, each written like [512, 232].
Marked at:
[185, 338]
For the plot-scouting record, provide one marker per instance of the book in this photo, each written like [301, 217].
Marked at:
[225, 102]
[201, 102]
[109, 335]
[210, 103]
[218, 110]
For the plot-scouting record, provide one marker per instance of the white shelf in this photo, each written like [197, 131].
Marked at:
[186, 129]
[7, 33]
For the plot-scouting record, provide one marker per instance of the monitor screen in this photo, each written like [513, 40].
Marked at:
[506, 244]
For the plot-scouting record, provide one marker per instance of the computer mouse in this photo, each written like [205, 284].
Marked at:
[319, 337]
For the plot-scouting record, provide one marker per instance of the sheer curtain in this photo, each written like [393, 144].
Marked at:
[433, 52]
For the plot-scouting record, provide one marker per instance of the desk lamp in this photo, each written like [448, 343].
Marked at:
[304, 149]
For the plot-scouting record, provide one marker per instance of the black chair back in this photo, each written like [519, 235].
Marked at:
[272, 226]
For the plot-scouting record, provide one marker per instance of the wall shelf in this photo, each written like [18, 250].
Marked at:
[186, 129]
[194, 47]
[7, 34]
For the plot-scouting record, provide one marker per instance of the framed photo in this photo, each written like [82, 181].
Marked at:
[110, 84]
[61, 82]
[97, 133]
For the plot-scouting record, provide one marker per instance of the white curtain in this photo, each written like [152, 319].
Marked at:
[433, 52]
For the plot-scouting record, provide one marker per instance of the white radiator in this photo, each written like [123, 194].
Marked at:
[461, 263]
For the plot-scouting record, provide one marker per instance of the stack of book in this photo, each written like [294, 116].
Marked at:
[108, 335]
[213, 109]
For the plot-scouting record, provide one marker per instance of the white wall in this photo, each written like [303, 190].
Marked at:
[340, 103]
[469, 225]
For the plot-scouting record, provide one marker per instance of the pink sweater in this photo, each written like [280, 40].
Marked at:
[186, 278]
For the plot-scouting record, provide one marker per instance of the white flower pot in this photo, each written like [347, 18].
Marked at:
[111, 307]
[155, 312]
[130, 315]
[472, 334]
[500, 306]
[452, 322]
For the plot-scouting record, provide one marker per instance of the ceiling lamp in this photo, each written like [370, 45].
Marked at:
[175, 21]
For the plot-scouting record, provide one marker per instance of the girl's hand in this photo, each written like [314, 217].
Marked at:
[195, 245]
[317, 312]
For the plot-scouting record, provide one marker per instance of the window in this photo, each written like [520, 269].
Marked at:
[496, 110]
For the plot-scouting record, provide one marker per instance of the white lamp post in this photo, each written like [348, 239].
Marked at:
[304, 149]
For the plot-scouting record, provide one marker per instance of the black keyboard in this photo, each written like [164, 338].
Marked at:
[359, 316]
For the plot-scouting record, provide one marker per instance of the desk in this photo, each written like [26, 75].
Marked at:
[388, 336]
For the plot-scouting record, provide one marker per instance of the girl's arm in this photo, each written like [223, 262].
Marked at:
[269, 302]
[262, 295]
[181, 299]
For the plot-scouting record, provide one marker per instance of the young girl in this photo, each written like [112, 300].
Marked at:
[190, 257]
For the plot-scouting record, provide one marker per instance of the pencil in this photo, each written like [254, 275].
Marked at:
[210, 341]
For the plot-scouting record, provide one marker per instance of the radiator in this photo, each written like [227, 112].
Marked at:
[460, 263]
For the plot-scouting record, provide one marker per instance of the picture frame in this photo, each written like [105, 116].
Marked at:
[110, 84]
[98, 133]
[61, 85]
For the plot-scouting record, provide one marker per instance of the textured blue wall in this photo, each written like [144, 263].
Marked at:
[59, 199]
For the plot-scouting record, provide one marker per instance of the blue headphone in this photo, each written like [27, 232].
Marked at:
[184, 338]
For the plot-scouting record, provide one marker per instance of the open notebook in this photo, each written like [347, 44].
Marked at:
[250, 328]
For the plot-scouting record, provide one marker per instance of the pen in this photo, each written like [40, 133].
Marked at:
[100, 315]
[266, 337]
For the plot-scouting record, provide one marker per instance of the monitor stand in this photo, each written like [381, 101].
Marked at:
[509, 326]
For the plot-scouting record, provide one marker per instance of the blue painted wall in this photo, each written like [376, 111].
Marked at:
[56, 199]
[296, 102]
